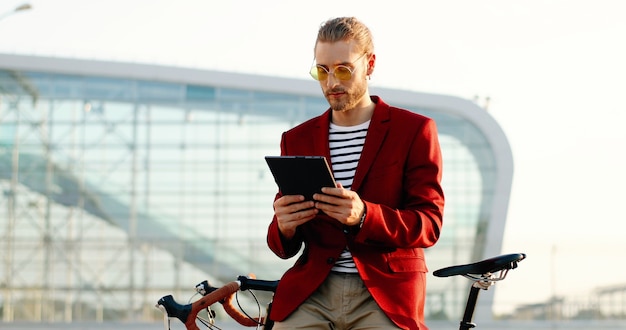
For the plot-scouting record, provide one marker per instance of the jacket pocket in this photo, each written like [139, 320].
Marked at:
[404, 263]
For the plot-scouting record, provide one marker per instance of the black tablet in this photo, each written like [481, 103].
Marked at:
[301, 175]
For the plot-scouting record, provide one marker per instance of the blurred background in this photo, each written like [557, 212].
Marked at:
[551, 74]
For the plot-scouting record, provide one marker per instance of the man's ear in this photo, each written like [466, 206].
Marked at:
[371, 63]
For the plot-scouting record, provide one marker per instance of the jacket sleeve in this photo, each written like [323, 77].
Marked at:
[281, 246]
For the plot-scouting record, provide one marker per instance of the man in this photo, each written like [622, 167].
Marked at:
[363, 264]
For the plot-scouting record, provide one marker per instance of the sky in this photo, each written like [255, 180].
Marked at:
[554, 72]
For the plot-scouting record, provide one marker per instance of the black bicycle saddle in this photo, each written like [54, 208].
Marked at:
[491, 265]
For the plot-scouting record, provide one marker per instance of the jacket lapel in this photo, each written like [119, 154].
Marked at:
[379, 126]
[320, 137]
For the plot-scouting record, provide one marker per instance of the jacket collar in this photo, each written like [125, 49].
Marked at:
[379, 126]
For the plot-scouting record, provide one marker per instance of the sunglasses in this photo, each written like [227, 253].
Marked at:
[342, 72]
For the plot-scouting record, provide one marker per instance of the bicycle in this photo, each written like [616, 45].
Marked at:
[484, 274]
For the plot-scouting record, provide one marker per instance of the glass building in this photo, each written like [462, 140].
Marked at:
[124, 182]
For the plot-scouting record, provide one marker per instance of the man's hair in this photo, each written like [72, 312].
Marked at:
[345, 29]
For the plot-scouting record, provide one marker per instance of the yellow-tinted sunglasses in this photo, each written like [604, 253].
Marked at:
[341, 71]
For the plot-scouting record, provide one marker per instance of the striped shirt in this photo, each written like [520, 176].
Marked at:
[346, 144]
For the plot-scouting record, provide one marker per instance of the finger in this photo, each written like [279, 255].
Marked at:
[292, 220]
[303, 216]
[288, 199]
[337, 212]
[339, 192]
[339, 200]
[295, 211]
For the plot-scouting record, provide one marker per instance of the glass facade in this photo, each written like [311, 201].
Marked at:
[119, 190]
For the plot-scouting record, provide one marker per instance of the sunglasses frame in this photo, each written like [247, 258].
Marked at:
[314, 72]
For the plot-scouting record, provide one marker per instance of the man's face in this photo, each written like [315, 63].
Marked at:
[342, 95]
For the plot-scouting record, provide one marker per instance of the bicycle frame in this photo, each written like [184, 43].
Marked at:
[484, 274]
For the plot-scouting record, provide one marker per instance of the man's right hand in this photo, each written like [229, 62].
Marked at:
[292, 211]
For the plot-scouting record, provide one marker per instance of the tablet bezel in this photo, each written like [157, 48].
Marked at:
[301, 175]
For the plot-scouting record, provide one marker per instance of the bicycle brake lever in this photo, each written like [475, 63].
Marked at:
[203, 288]
[173, 308]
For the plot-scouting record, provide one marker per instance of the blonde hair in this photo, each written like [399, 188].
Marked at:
[346, 29]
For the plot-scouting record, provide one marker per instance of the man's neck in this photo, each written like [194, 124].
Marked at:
[355, 116]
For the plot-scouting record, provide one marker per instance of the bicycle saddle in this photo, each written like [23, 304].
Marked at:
[491, 265]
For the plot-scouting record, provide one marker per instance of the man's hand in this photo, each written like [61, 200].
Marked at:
[341, 204]
[292, 211]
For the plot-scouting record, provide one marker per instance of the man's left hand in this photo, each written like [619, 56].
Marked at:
[341, 204]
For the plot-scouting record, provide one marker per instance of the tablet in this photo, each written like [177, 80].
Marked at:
[301, 175]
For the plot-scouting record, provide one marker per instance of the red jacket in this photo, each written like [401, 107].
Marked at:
[398, 177]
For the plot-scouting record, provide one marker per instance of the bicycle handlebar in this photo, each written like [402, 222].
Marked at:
[224, 295]
[238, 316]
[254, 284]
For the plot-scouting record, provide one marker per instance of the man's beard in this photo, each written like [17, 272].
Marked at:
[353, 98]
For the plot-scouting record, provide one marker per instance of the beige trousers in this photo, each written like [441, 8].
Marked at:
[341, 302]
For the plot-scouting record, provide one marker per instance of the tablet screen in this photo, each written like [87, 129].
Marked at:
[301, 175]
